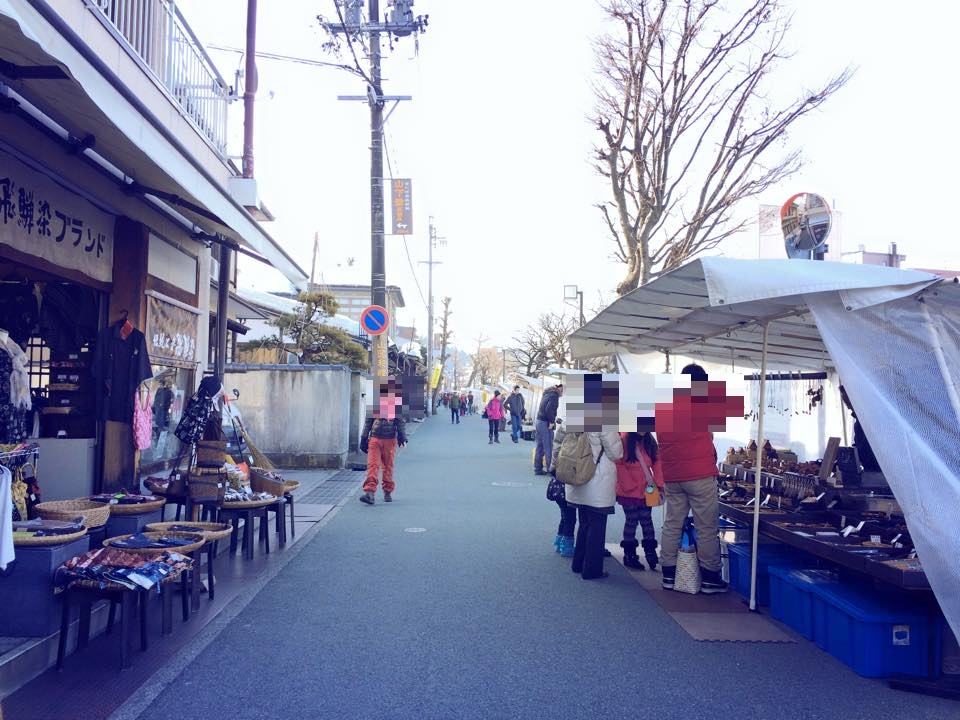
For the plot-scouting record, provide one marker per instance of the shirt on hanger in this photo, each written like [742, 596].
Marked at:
[119, 366]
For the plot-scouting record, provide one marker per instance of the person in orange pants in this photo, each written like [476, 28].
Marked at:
[382, 434]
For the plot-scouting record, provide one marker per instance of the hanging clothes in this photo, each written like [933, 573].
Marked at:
[18, 310]
[13, 417]
[19, 377]
[120, 364]
[6, 518]
[142, 419]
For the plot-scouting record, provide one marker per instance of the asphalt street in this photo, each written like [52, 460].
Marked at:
[451, 603]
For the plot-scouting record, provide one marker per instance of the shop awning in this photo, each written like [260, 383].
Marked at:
[714, 308]
[134, 143]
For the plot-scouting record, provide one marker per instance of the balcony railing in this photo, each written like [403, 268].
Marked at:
[157, 32]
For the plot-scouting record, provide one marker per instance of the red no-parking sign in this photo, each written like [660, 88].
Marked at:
[375, 320]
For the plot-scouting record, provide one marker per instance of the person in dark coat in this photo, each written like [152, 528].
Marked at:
[515, 404]
[546, 422]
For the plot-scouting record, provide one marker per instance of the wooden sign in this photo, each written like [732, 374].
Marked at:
[829, 457]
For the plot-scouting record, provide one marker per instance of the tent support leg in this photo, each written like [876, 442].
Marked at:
[758, 471]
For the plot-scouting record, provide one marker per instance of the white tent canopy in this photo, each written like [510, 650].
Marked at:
[892, 335]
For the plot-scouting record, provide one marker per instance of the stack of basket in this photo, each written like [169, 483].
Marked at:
[207, 481]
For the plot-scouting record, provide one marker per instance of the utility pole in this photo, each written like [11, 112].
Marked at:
[401, 22]
[430, 263]
[313, 262]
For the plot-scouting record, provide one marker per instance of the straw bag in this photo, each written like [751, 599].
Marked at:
[211, 453]
[262, 480]
[207, 488]
[688, 563]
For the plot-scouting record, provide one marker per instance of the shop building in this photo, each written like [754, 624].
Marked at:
[117, 201]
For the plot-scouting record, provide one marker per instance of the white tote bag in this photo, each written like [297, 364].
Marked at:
[687, 579]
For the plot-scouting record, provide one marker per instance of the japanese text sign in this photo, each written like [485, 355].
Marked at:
[41, 218]
[171, 334]
[402, 206]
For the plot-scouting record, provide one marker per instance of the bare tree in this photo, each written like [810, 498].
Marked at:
[687, 131]
[485, 366]
[545, 343]
[445, 335]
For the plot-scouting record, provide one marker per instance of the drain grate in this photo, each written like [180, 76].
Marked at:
[333, 490]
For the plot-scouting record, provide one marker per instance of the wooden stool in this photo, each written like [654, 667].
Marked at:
[247, 514]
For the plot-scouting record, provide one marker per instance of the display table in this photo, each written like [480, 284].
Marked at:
[30, 609]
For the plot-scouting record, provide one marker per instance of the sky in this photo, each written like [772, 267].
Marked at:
[497, 143]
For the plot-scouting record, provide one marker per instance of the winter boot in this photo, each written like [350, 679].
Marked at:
[669, 575]
[630, 557]
[566, 547]
[650, 552]
[387, 496]
[556, 542]
[367, 498]
[711, 582]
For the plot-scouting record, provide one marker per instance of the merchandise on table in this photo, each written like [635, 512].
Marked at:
[113, 565]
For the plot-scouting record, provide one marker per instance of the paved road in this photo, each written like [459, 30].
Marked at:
[477, 617]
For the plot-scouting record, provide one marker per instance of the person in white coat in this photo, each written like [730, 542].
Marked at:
[595, 499]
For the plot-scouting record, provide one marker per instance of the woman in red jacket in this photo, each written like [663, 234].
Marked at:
[690, 477]
[639, 482]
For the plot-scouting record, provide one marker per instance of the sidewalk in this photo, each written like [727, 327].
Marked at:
[451, 603]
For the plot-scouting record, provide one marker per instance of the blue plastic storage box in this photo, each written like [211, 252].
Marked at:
[791, 596]
[767, 556]
[875, 636]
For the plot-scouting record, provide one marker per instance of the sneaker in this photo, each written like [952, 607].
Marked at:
[490, 441]
[566, 547]
[539, 472]
[711, 582]
[367, 498]
[497, 441]
[669, 575]
[387, 497]
[556, 542]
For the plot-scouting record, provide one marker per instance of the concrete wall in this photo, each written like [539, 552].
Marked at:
[299, 415]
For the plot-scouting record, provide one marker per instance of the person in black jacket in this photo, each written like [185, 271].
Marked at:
[515, 405]
[546, 421]
[383, 432]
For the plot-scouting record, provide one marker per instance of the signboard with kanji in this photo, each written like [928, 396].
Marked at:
[375, 320]
[41, 218]
[402, 206]
[171, 334]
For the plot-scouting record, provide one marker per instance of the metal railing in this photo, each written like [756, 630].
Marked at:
[157, 32]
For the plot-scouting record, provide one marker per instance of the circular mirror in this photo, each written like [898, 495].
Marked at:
[805, 219]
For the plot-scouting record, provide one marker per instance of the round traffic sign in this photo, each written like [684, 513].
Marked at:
[375, 320]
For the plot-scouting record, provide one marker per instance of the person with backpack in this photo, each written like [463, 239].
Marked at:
[383, 432]
[639, 484]
[584, 462]
[494, 413]
[454, 408]
[471, 406]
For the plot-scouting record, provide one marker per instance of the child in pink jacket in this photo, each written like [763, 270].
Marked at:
[639, 483]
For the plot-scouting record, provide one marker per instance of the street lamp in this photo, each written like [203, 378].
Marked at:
[572, 292]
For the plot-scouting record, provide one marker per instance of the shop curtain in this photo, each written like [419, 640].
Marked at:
[900, 364]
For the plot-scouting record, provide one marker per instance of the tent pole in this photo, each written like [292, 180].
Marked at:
[758, 471]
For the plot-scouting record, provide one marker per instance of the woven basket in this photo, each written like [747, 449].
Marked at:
[211, 453]
[138, 508]
[195, 542]
[262, 481]
[95, 514]
[687, 578]
[48, 539]
[207, 488]
[210, 530]
[290, 485]
[248, 504]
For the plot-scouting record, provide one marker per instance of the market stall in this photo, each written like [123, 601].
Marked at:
[890, 334]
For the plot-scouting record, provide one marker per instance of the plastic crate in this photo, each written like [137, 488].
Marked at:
[874, 635]
[791, 596]
[768, 555]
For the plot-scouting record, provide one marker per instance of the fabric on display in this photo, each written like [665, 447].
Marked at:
[19, 377]
[119, 366]
[142, 421]
[13, 416]
[902, 376]
[198, 410]
[7, 553]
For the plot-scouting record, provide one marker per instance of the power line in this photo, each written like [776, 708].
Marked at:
[386, 152]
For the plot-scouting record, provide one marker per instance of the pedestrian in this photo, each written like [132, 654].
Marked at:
[515, 404]
[639, 483]
[546, 422]
[454, 408]
[383, 432]
[690, 482]
[463, 404]
[594, 501]
[494, 411]
[470, 403]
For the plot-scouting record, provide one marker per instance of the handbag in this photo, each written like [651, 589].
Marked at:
[555, 490]
[687, 579]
